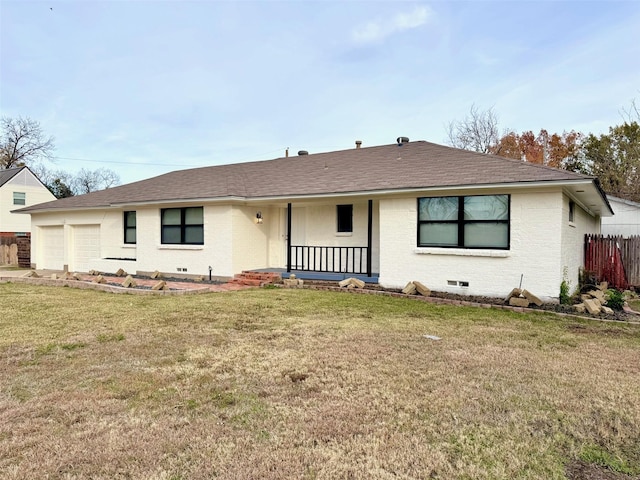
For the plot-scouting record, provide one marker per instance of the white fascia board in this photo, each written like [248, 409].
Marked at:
[411, 191]
[182, 201]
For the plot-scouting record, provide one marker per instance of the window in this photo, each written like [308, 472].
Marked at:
[19, 198]
[572, 211]
[182, 226]
[480, 221]
[345, 218]
[129, 227]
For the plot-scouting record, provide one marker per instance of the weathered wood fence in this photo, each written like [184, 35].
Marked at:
[613, 259]
[15, 251]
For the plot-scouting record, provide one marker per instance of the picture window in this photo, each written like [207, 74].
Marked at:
[479, 221]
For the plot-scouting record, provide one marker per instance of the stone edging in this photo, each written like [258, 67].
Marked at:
[464, 303]
[84, 285]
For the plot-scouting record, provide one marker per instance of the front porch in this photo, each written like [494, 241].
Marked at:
[326, 240]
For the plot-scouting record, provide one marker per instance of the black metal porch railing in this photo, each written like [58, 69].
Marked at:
[330, 259]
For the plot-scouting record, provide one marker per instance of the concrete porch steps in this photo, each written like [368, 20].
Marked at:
[256, 279]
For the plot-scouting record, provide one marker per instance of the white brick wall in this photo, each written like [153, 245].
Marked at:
[573, 241]
[535, 253]
[543, 246]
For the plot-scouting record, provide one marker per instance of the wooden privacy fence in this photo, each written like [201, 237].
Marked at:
[15, 251]
[613, 259]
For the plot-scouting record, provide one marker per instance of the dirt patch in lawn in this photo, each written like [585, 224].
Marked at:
[579, 470]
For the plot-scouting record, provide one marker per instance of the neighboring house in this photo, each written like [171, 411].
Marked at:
[626, 221]
[19, 187]
[455, 220]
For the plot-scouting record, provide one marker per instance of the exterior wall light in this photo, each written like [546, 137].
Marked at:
[259, 217]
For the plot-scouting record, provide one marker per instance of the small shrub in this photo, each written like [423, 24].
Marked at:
[565, 296]
[615, 299]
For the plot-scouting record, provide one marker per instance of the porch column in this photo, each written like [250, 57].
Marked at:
[369, 238]
[288, 237]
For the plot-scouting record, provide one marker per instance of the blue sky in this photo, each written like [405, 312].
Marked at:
[147, 87]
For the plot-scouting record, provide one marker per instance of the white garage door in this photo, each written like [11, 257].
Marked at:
[86, 246]
[52, 243]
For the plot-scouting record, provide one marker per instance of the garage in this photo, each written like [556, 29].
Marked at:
[52, 248]
[86, 246]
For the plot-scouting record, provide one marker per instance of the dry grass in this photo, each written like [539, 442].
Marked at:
[270, 384]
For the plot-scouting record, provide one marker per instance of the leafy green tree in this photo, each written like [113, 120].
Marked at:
[615, 159]
[60, 189]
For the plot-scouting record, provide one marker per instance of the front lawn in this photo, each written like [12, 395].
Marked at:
[275, 384]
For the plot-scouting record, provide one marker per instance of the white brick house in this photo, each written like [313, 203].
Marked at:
[455, 220]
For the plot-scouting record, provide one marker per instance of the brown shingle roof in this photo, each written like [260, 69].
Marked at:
[417, 164]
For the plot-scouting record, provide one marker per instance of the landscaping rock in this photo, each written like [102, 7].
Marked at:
[409, 289]
[161, 285]
[99, 279]
[516, 292]
[531, 297]
[293, 282]
[31, 274]
[54, 276]
[592, 306]
[580, 308]
[607, 310]
[156, 275]
[351, 282]
[129, 282]
[599, 294]
[422, 290]
[603, 287]
[121, 273]
[519, 302]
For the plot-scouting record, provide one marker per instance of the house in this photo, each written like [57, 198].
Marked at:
[626, 221]
[455, 220]
[19, 187]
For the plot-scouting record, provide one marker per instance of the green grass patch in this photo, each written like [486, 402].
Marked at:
[597, 455]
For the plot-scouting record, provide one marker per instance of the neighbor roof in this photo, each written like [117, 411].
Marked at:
[413, 165]
[8, 174]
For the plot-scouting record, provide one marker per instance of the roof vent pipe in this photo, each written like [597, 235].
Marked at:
[302, 152]
[402, 140]
[358, 143]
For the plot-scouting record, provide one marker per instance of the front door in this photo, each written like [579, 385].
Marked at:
[298, 234]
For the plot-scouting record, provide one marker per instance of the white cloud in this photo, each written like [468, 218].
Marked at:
[378, 30]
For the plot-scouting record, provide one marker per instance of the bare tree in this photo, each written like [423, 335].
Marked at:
[87, 181]
[57, 181]
[631, 114]
[478, 131]
[22, 142]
